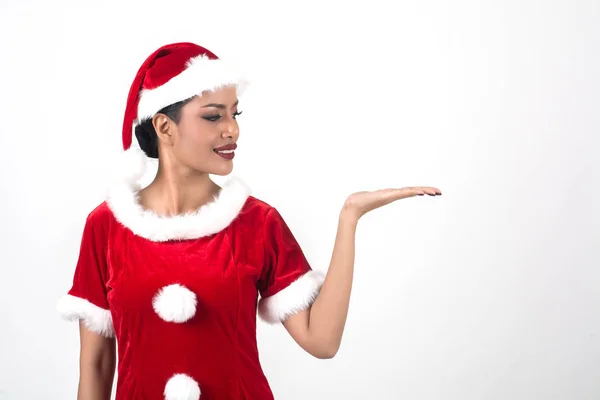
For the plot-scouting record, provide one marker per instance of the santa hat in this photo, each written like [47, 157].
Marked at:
[173, 73]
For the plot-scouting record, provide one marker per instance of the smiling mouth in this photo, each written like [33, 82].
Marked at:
[226, 154]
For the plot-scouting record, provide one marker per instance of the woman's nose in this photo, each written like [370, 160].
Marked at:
[231, 130]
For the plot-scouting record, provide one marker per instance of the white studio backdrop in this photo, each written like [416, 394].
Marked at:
[490, 291]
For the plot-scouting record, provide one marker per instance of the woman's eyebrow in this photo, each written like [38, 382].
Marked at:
[221, 106]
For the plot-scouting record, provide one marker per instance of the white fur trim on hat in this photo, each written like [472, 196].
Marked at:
[181, 387]
[96, 319]
[211, 218]
[202, 74]
[298, 296]
[175, 303]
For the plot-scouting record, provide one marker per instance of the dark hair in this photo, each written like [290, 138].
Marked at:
[146, 134]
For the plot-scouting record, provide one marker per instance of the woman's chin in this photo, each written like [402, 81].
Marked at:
[223, 170]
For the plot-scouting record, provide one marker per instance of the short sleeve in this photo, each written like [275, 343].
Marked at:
[288, 284]
[87, 300]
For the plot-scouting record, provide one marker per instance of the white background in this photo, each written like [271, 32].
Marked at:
[491, 291]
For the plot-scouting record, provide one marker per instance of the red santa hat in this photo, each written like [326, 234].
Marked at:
[173, 73]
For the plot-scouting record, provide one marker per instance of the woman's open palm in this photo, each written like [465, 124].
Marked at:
[363, 202]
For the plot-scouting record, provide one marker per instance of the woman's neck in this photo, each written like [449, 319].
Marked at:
[172, 193]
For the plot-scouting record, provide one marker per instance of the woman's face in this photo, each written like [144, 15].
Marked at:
[207, 123]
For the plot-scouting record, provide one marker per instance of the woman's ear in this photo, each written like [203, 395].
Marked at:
[163, 127]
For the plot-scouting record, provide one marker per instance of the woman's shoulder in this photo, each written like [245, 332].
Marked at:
[100, 215]
[255, 202]
[258, 213]
[255, 205]
[254, 211]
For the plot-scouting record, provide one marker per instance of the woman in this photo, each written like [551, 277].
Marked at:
[172, 271]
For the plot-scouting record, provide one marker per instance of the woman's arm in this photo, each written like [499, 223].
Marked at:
[319, 329]
[96, 365]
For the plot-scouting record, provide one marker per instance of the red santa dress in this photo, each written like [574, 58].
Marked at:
[181, 293]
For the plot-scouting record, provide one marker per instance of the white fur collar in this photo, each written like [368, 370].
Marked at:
[209, 219]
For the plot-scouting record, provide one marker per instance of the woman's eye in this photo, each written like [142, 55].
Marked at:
[215, 118]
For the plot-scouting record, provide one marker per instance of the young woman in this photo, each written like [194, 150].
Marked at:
[170, 274]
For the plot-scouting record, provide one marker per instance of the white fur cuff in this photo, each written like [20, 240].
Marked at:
[298, 296]
[96, 319]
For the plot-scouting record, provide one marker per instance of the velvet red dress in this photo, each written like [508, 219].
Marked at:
[181, 294]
